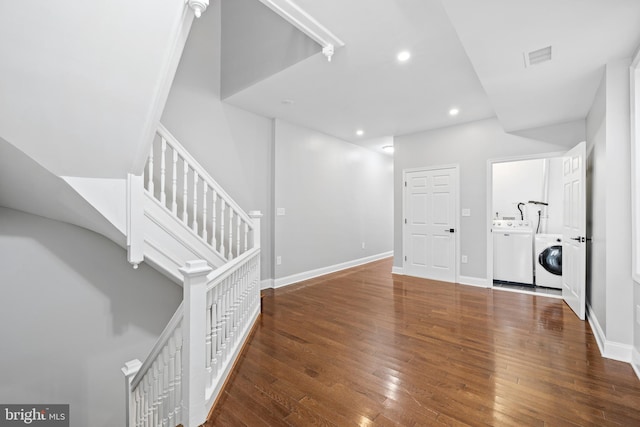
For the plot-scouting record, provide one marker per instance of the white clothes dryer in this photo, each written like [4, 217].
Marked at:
[548, 260]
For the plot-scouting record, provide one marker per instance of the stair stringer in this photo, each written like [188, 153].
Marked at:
[167, 243]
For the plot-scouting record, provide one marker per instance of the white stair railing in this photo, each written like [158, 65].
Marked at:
[184, 372]
[182, 186]
[186, 369]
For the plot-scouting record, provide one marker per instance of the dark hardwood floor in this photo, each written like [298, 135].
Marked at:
[363, 347]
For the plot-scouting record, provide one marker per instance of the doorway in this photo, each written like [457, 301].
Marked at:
[430, 223]
[571, 236]
[526, 212]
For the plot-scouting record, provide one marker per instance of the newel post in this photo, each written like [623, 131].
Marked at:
[255, 216]
[130, 370]
[194, 336]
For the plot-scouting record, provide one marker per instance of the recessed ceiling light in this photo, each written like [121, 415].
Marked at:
[388, 148]
[359, 132]
[404, 55]
[287, 102]
[454, 112]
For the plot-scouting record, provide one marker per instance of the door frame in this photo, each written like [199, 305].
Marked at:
[489, 202]
[455, 167]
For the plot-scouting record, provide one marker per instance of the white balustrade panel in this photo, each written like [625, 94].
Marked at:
[182, 186]
[157, 388]
[231, 299]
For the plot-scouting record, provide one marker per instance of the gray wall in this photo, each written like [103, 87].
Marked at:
[618, 207]
[72, 312]
[247, 55]
[596, 204]
[470, 145]
[236, 147]
[336, 195]
[609, 275]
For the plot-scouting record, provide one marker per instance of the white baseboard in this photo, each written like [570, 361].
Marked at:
[397, 270]
[299, 277]
[609, 349]
[473, 281]
[266, 284]
[635, 361]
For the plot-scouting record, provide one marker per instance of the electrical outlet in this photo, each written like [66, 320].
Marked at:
[362, 245]
[464, 259]
[278, 260]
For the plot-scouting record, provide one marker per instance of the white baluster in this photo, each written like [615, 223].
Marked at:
[163, 169]
[222, 207]
[171, 374]
[174, 183]
[165, 386]
[205, 188]
[213, 219]
[238, 237]
[185, 192]
[208, 330]
[230, 256]
[214, 336]
[150, 177]
[194, 224]
[156, 393]
[246, 237]
[179, 375]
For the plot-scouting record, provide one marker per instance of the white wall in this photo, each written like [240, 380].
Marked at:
[87, 78]
[515, 182]
[236, 147]
[524, 180]
[72, 312]
[336, 195]
[470, 145]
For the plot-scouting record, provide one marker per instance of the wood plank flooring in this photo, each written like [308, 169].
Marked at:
[365, 348]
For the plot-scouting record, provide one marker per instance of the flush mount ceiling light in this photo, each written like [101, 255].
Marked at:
[198, 6]
[359, 132]
[287, 102]
[388, 148]
[300, 19]
[454, 111]
[404, 56]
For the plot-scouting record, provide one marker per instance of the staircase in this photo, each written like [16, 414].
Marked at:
[83, 106]
[183, 223]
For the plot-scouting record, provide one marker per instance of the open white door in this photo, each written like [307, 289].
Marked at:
[574, 227]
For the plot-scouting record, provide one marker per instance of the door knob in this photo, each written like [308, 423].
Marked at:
[450, 230]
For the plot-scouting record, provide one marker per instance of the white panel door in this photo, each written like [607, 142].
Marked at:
[574, 247]
[429, 224]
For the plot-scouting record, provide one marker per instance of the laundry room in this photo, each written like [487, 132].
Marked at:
[527, 211]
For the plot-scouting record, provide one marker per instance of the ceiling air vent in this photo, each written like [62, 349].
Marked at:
[536, 57]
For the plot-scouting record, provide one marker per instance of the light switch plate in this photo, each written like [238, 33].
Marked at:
[280, 212]
[466, 212]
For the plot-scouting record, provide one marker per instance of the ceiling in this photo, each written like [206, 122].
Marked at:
[466, 54]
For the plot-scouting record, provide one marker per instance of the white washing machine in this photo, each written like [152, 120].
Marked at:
[512, 251]
[548, 260]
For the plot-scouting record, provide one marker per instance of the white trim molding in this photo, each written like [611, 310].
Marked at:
[266, 284]
[474, 281]
[635, 361]
[299, 277]
[300, 19]
[609, 349]
[397, 270]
